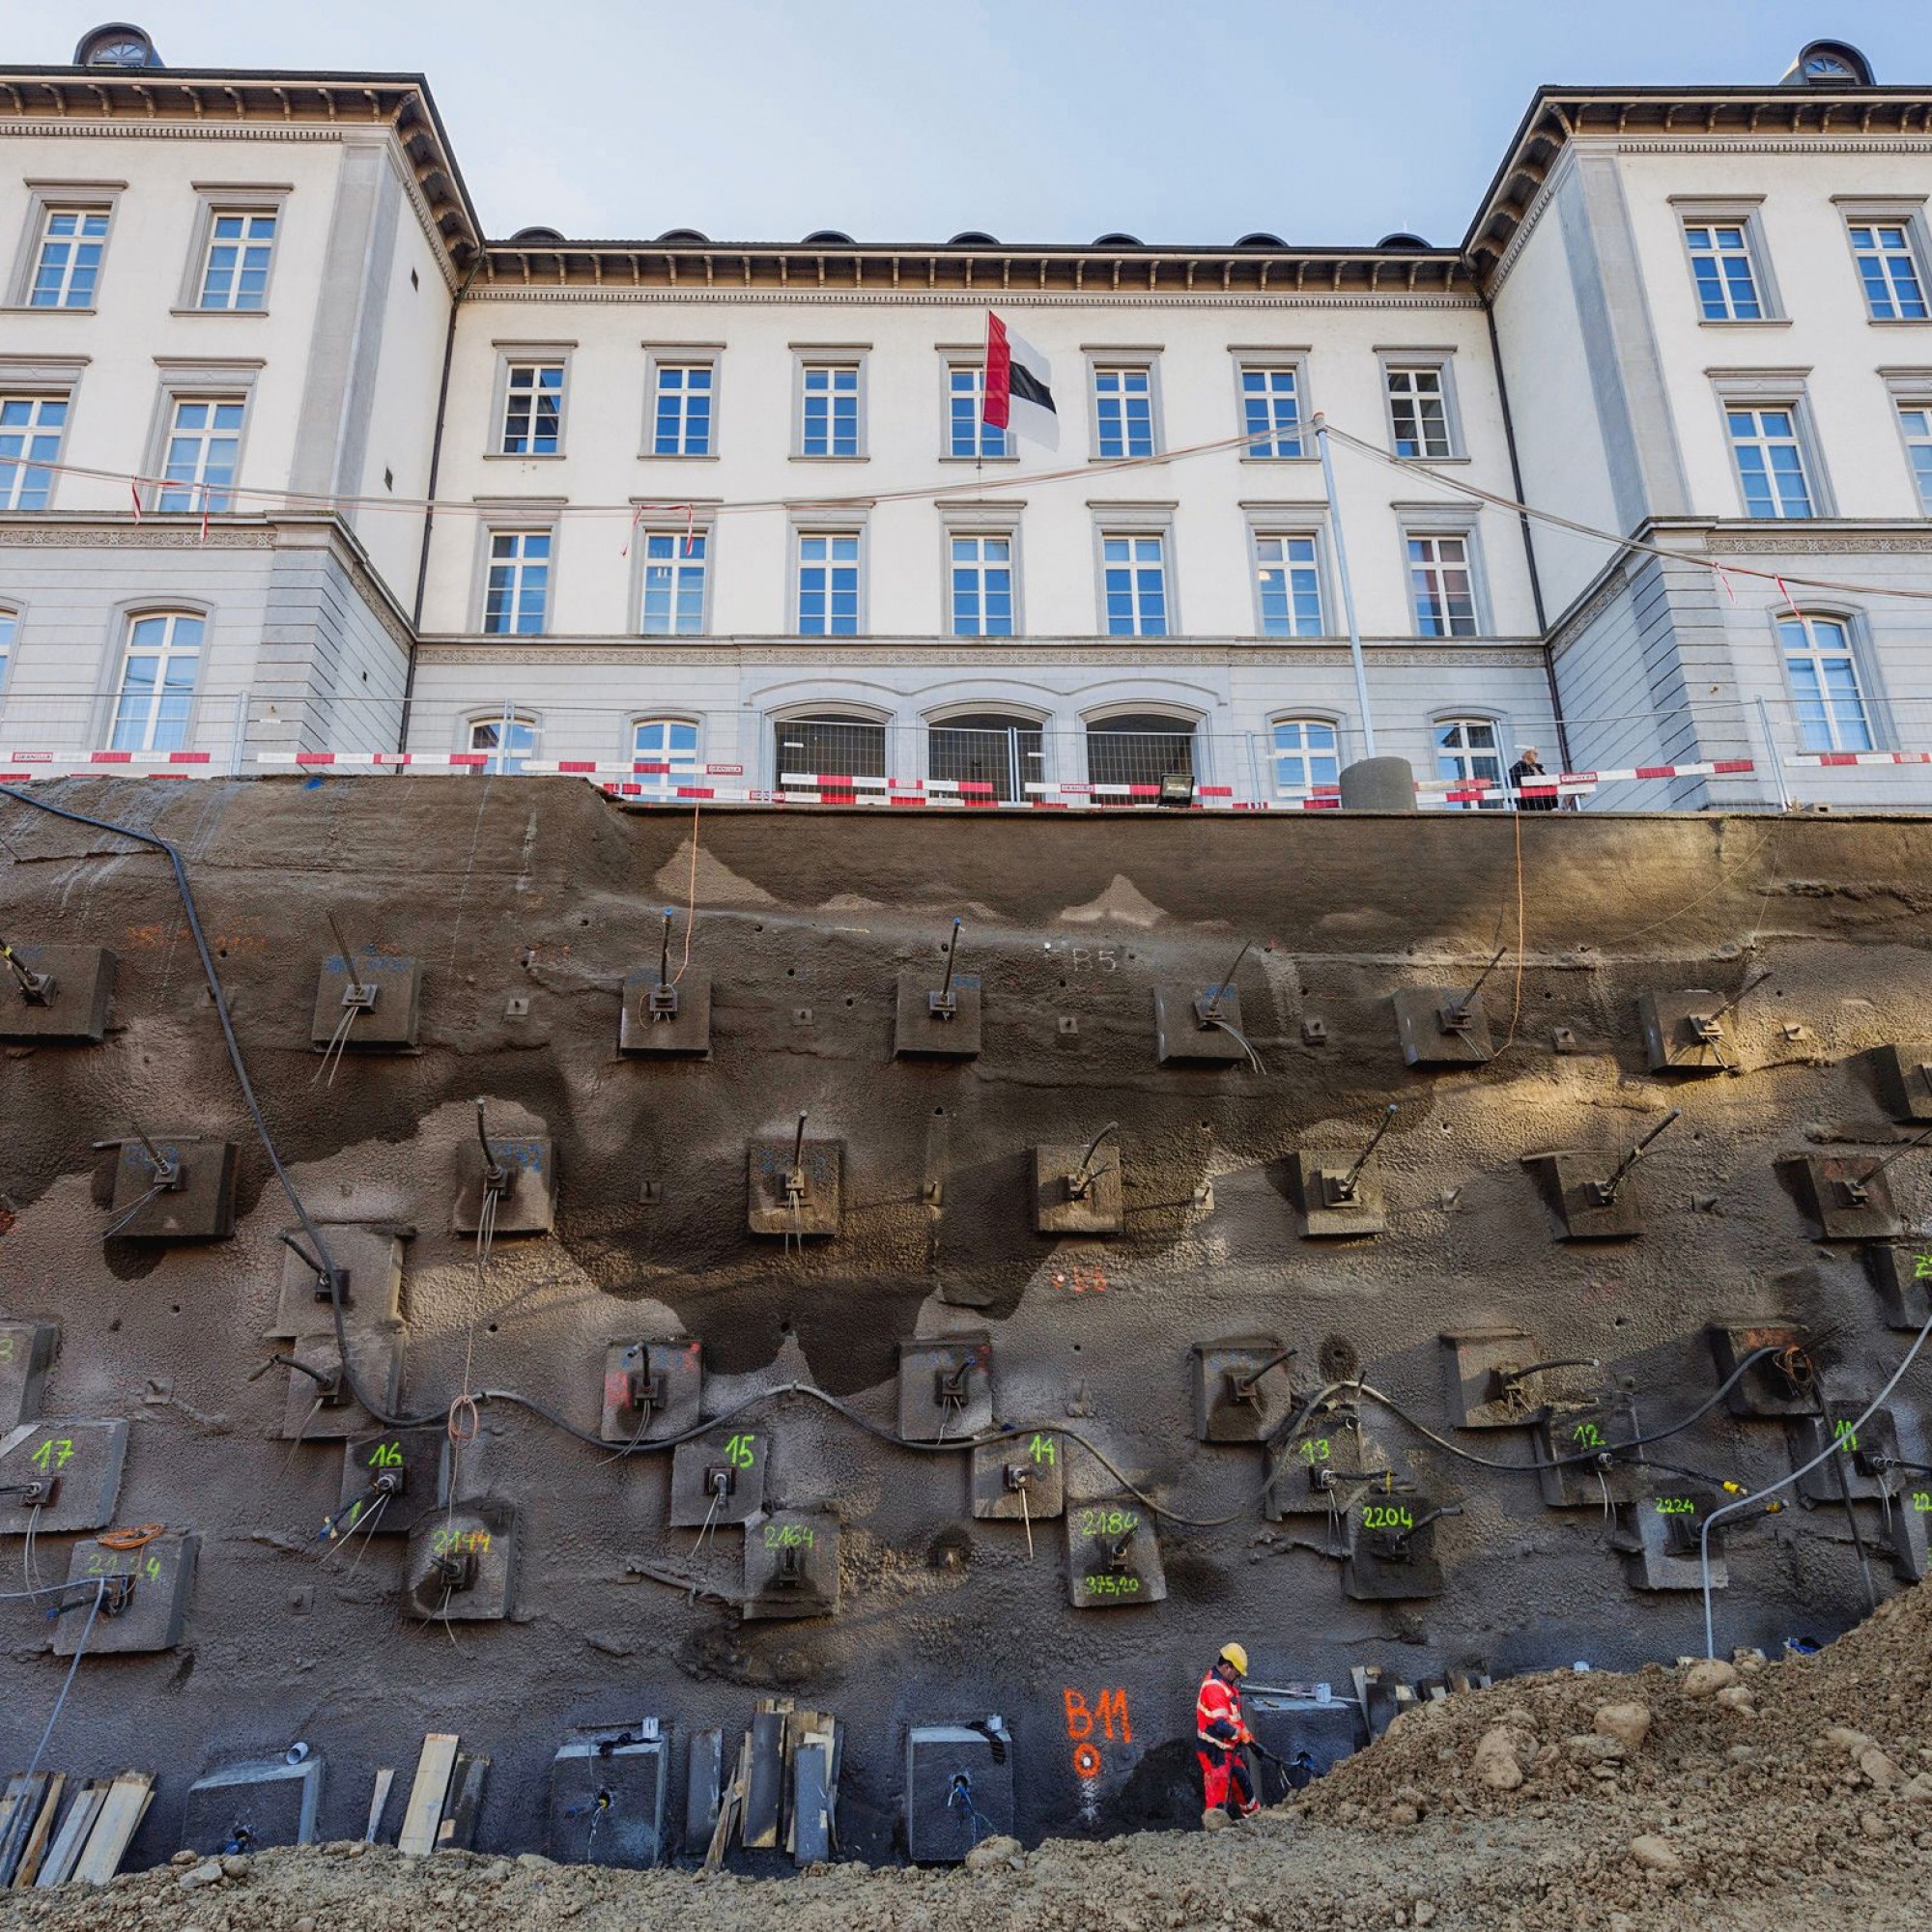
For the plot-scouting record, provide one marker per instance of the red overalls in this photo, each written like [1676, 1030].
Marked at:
[1219, 1730]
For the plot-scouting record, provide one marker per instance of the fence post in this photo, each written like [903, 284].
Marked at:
[239, 735]
[1771, 754]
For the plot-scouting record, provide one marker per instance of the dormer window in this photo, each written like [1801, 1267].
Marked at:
[116, 44]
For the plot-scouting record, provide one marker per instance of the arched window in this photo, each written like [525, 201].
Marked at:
[1306, 754]
[1466, 749]
[1139, 749]
[158, 675]
[510, 737]
[673, 740]
[988, 748]
[830, 742]
[1823, 668]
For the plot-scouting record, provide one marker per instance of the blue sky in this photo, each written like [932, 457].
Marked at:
[1185, 121]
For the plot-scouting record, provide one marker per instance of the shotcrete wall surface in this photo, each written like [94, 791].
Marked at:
[526, 902]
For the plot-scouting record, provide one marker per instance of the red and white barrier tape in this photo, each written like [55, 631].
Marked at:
[1860, 758]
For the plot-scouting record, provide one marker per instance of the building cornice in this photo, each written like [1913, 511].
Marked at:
[718, 296]
[1684, 120]
[816, 653]
[163, 103]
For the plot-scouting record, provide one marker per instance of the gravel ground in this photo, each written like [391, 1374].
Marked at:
[1727, 1797]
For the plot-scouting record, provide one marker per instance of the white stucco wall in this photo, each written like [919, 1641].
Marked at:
[763, 337]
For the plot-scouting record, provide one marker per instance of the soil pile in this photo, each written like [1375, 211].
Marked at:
[1732, 1796]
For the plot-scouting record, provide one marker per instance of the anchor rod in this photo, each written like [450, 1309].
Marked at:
[1637, 1153]
[951, 948]
[1347, 1183]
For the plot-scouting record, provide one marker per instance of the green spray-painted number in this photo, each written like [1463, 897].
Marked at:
[1587, 1436]
[5, 1348]
[1845, 1436]
[742, 1451]
[55, 1453]
[1111, 1584]
[1386, 1516]
[387, 1455]
[108, 1563]
[1107, 1521]
[1314, 1449]
[789, 1536]
[1675, 1506]
[1921, 1502]
[1044, 1449]
[1921, 1267]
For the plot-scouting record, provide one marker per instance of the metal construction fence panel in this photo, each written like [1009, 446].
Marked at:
[1762, 755]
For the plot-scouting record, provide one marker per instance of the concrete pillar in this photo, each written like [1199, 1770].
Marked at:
[1378, 785]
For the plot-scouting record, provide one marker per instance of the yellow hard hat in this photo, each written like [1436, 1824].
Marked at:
[1234, 1654]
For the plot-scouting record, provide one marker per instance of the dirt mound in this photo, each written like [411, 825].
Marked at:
[1723, 1797]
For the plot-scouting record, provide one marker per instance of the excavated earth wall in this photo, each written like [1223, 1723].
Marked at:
[526, 902]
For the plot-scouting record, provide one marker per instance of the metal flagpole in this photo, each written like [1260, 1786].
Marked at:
[1348, 587]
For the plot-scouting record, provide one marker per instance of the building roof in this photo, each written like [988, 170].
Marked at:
[681, 258]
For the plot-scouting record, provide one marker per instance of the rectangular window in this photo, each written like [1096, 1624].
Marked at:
[681, 409]
[240, 245]
[533, 409]
[1271, 411]
[829, 424]
[1720, 265]
[1290, 586]
[1442, 587]
[1305, 755]
[983, 586]
[1418, 412]
[67, 266]
[828, 584]
[31, 428]
[1889, 268]
[1916, 420]
[673, 600]
[1123, 412]
[517, 588]
[151, 713]
[1824, 674]
[966, 434]
[203, 441]
[1769, 460]
[1134, 569]
[10, 622]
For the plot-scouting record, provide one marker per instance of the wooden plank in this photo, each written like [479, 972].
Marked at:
[18, 1810]
[379, 1803]
[64, 1855]
[456, 1830]
[424, 1811]
[731, 1808]
[119, 1818]
[33, 1851]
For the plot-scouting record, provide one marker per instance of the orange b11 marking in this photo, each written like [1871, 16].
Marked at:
[1109, 1711]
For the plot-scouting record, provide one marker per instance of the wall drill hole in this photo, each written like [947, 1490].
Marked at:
[493, 1328]
[174, 1308]
[791, 972]
[851, 1000]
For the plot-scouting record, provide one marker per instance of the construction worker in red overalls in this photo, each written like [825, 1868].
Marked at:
[1220, 1732]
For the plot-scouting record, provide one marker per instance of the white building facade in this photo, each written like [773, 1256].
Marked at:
[293, 456]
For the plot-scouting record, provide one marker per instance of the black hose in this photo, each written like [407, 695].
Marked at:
[1612, 1449]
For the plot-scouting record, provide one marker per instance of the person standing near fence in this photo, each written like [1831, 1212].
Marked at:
[1529, 765]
